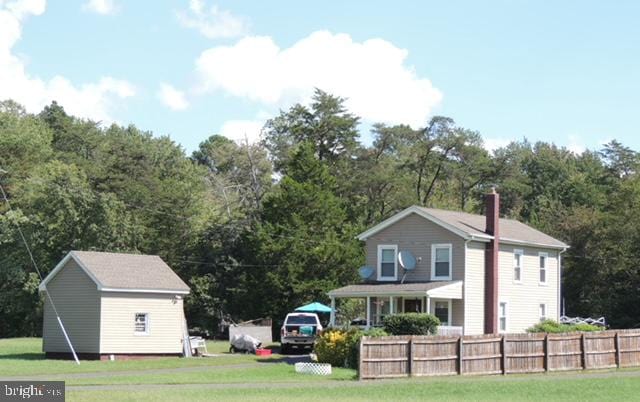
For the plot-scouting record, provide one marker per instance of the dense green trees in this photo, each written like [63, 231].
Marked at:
[257, 229]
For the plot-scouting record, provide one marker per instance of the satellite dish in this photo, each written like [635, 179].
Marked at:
[365, 272]
[406, 260]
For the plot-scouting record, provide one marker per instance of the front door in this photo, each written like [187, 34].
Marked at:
[412, 305]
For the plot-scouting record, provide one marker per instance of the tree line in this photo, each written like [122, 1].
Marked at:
[258, 229]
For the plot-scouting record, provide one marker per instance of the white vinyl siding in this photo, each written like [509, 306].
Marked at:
[387, 262]
[441, 262]
[474, 289]
[77, 300]
[517, 265]
[525, 298]
[165, 325]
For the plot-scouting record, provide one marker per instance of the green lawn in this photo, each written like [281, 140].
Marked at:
[450, 389]
[245, 377]
[266, 373]
[23, 356]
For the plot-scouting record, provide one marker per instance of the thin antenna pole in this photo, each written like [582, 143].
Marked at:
[33, 261]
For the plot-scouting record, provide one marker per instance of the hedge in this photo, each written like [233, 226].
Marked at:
[411, 324]
[554, 327]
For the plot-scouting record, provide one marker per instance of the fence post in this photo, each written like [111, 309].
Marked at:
[546, 352]
[411, 353]
[360, 357]
[504, 355]
[460, 349]
[583, 346]
[617, 339]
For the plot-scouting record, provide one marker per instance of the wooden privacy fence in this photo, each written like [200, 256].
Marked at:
[405, 356]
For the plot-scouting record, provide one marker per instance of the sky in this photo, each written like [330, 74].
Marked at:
[564, 72]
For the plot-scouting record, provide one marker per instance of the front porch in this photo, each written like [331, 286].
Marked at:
[442, 299]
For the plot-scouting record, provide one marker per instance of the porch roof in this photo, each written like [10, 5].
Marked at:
[445, 289]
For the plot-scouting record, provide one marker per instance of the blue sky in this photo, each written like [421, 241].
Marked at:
[567, 72]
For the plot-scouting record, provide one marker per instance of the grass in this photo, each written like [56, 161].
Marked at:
[245, 377]
[450, 389]
[24, 357]
[267, 373]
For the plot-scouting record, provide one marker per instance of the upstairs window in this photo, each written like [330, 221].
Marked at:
[517, 265]
[441, 262]
[141, 323]
[543, 267]
[387, 263]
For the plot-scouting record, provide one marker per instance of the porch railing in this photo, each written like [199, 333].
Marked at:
[449, 330]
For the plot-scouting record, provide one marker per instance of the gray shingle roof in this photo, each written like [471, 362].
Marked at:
[130, 271]
[510, 229]
[384, 288]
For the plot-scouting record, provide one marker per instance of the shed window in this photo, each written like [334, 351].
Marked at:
[141, 323]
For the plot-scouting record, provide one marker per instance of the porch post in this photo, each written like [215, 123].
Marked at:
[368, 312]
[332, 317]
[390, 305]
[428, 305]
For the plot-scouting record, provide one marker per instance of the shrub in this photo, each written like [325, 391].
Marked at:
[341, 348]
[554, 327]
[331, 347]
[411, 324]
[587, 328]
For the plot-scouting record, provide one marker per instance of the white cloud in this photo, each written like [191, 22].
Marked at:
[22, 8]
[491, 144]
[104, 7]
[576, 145]
[212, 22]
[93, 100]
[373, 75]
[173, 98]
[238, 130]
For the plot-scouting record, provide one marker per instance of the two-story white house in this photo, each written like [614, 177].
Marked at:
[477, 274]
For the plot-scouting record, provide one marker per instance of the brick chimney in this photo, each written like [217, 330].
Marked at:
[492, 212]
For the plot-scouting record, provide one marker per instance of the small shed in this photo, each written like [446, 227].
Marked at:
[114, 306]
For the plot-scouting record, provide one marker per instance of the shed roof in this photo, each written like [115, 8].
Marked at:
[473, 226]
[120, 272]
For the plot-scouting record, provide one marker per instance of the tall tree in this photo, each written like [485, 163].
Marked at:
[25, 142]
[58, 212]
[304, 245]
[239, 174]
[326, 124]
